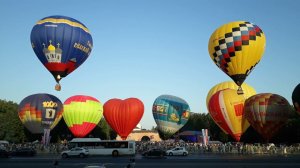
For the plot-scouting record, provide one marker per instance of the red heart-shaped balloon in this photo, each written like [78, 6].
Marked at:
[123, 115]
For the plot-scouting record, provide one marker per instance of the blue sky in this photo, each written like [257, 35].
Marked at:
[146, 48]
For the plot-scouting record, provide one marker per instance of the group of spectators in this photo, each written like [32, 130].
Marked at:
[193, 148]
[40, 148]
[222, 148]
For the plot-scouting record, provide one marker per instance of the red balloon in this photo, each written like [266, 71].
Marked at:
[123, 115]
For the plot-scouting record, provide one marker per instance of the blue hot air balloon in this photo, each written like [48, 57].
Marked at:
[170, 113]
[62, 44]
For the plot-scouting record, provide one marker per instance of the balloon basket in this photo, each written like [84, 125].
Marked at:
[240, 91]
[57, 87]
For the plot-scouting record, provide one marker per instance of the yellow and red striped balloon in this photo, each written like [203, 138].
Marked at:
[82, 114]
[226, 108]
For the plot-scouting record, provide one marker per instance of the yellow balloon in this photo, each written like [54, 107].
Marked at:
[248, 92]
[226, 108]
[236, 48]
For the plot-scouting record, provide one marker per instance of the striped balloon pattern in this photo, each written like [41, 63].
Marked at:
[82, 113]
[248, 90]
[267, 113]
[170, 113]
[226, 108]
[41, 111]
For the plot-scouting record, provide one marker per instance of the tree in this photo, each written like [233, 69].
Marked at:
[60, 132]
[104, 131]
[11, 128]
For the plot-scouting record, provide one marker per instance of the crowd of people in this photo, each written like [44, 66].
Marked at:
[193, 148]
[222, 148]
[38, 147]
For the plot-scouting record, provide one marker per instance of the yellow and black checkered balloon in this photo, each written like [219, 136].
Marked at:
[236, 48]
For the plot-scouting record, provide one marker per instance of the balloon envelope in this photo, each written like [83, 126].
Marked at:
[236, 48]
[267, 113]
[82, 114]
[123, 115]
[61, 43]
[40, 111]
[296, 98]
[170, 113]
[248, 90]
[226, 109]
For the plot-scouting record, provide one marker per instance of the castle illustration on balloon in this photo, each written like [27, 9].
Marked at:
[51, 53]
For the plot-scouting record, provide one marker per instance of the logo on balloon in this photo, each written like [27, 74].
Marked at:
[52, 53]
[49, 104]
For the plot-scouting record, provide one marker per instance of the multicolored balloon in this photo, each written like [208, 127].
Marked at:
[248, 90]
[170, 113]
[236, 48]
[296, 98]
[82, 114]
[62, 44]
[40, 113]
[267, 113]
[123, 115]
[226, 108]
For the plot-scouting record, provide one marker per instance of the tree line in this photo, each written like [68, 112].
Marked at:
[12, 129]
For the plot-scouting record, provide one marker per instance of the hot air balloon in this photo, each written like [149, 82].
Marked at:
[170, 113]
[236, 48]
[296, 98]
[267, 113]
[226, 109]
[123, 115]
[82, 114]
[39, 113]
[62, 44]
[248, 90]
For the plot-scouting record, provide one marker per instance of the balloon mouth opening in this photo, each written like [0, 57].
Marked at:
[57, 87]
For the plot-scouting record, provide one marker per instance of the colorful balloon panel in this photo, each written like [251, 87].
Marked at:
[61, 43]
[236, 48]
[40, 111]
[296, 98]
[226, 108]
[170, 113]
[82, 114]
[123, 115]
[267, 113]
[248, 90]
